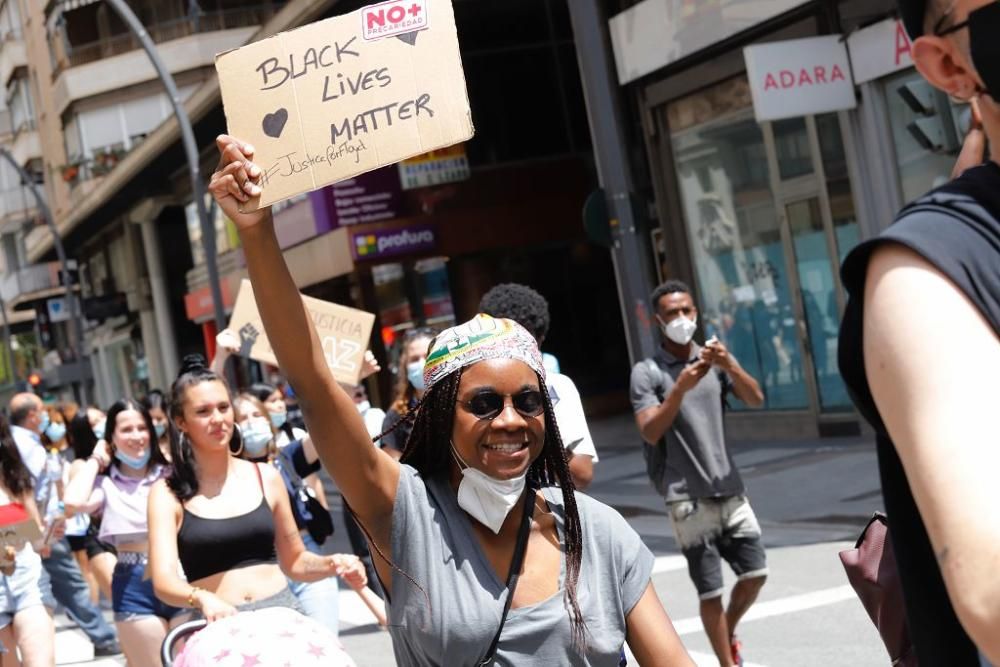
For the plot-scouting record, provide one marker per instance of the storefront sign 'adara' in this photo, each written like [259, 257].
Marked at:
[346, 95]
[799, 77]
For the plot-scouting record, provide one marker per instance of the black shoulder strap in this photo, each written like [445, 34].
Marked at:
[515, 572]
[661, 389]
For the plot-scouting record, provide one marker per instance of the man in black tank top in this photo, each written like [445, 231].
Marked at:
[920, 353]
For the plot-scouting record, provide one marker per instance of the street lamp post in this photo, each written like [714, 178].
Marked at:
[190, 149]
[71, 299]
[628, 254]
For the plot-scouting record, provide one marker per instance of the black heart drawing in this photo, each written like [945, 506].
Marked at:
[409, 38]
[274, 123]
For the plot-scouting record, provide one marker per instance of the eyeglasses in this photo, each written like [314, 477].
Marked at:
[489, 404]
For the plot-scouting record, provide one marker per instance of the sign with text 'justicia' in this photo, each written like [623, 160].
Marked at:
[346, 95]
[343, 333]
[800, 77]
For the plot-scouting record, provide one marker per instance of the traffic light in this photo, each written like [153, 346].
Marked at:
[35, 379]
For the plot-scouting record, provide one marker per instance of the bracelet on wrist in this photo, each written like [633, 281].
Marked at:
[191, 597]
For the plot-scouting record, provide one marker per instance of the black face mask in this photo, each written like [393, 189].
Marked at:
[984, 40]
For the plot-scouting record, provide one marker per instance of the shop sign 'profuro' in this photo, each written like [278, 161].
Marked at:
[346, 95]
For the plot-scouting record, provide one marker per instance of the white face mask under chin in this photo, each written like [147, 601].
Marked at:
[486, 499]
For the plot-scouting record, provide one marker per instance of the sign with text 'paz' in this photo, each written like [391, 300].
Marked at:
[343, 333]
[346, 95]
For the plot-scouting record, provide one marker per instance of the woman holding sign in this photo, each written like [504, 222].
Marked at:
[25, 623]
[486, 553]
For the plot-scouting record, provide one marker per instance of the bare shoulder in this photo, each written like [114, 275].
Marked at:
[162, 499]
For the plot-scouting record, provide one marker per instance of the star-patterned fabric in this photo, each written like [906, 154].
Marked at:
[274, 637]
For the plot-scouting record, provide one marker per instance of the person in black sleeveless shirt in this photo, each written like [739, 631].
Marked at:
[920, 353]
[225, 520]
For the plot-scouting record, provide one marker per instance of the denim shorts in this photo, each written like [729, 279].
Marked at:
[709, 530]
[132, 596]
[23, 589]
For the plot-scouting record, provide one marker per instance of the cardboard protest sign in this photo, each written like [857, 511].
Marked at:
[17, 527]
[346, 95]
[343, 332]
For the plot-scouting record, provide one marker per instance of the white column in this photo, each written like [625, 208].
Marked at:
[161, 304]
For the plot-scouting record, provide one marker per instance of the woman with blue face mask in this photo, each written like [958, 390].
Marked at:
[294, 462]
[157, 406]
[409, 390]
[54, 434]
[115, 482]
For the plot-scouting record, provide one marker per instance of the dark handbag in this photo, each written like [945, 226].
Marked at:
[515, 572]
[871, 569]
[307, 508]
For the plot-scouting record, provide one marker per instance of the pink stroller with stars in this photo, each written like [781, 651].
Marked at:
[273, 637]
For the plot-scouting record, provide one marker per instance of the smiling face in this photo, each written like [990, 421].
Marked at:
[131, 434]
[207, 419]
[505, 446]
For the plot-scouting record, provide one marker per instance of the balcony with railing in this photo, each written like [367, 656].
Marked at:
[68, 55]
[21, 287]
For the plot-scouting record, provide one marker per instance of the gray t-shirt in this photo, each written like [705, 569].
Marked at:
[433, 542]
[699, 464]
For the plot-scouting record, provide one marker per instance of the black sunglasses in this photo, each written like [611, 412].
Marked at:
[489, 404]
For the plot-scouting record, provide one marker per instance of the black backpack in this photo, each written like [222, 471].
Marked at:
[656, 455]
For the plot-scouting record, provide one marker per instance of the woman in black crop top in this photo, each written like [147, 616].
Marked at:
[226, 521]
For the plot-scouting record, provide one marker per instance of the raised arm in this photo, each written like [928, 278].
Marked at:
[940, 410]
[366, 477]
[81, 496]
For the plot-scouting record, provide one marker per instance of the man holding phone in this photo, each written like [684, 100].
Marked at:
[678, 399]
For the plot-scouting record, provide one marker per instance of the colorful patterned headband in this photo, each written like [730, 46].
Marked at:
[480, 339]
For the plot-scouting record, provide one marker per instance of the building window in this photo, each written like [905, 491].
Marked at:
[20, 104]
[523, 78]
[10, 21]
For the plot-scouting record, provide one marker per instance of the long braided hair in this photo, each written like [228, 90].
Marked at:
[428, 451]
